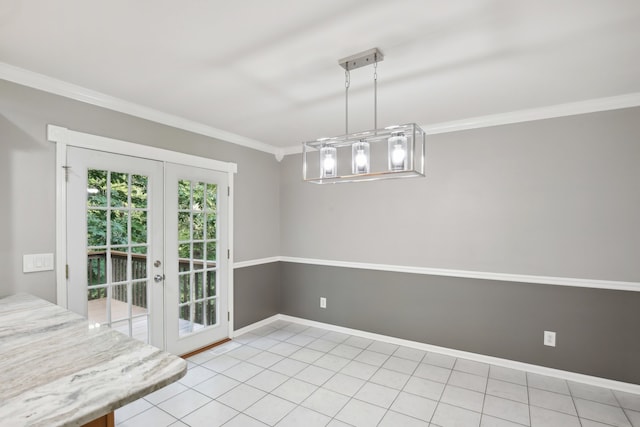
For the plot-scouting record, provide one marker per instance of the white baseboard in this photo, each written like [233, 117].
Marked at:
[256, 325]
[565, 375]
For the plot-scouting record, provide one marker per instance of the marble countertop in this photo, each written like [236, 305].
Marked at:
[58, 370]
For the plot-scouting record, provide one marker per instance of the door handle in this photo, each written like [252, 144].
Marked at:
[158, 278]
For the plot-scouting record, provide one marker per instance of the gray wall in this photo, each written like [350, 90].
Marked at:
[557, 197]
[27, 176]
[597, 330]
[256, 293]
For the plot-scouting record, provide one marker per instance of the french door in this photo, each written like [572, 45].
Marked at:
[198, 254]
[147, 248]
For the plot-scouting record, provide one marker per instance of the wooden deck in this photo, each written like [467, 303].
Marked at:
[97, 313]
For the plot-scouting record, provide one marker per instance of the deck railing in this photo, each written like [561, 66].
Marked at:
[97, 274]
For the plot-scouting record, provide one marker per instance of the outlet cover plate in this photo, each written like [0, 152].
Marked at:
[549, 338]
[323, 302]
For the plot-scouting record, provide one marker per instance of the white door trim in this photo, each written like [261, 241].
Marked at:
[101, 143]
[64, 137]
[230, 246]
[61, 224]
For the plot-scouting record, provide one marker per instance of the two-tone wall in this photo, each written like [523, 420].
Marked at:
[553, 201]
[557, 197]
[546, 201]
[27, 177]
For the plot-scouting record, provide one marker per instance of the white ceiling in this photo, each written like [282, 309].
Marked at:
[267, 70]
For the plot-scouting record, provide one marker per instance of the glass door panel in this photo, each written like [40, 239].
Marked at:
[195, 209]
[114, 213]
[117, 281]
[196, 213]
[126, 216]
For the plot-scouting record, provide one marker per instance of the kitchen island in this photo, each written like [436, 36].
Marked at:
[57, 369]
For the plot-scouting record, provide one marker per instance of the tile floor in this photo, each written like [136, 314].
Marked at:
[286, 374]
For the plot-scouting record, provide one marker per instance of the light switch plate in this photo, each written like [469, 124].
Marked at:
[37, 262]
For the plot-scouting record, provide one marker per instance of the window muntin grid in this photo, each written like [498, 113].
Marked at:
[197, 256]
[117, 248]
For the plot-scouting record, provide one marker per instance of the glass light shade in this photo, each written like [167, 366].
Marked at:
[328, 162]
[360, 158]
[398, 156]
[394, 152]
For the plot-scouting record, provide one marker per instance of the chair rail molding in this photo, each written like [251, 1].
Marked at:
[469, 274]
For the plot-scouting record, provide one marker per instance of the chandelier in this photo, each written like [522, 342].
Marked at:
[396, 151]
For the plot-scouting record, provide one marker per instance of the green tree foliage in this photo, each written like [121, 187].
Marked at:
[197, 211]
[202, 202]
[117, 209]
[197, 203]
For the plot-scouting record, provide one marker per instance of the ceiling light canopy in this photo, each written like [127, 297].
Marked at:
[393, 152]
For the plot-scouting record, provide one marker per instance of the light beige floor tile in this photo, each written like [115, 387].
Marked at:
[213, 414]
[326, 402]
[414, 406]
[554, 401]
[506, 409]
[541, 417]
[463, 398]
[396, 419]
[453, 416]
[270, 409]
[601, 412]
[377, 394]
[360, 414]
[294, 390]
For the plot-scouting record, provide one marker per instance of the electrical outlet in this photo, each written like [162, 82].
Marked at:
[323, 302]
[550, 338]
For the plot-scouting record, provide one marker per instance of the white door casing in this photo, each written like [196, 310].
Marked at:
[65, 138]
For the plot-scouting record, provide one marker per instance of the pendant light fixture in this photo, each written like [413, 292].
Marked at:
[328, 162]
[393, 152]
[361, 158]
[397, 150]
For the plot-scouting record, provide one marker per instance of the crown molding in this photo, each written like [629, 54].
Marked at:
[58, 87]
[533, 114]
[293, 149]
[520, 116]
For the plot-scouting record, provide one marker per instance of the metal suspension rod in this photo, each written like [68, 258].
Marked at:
[347, 83]
[375, 92]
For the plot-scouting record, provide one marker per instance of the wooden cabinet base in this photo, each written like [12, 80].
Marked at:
[105, 421]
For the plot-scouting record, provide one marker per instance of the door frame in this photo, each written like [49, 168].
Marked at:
[64, 138]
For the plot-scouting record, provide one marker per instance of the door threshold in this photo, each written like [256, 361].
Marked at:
[205, 348]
